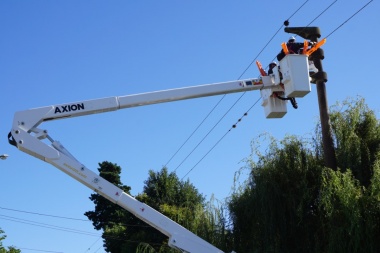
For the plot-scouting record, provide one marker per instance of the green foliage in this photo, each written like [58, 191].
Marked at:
[339, 201]
[181, 202]
[289, 203]
[278, 202]
[118, 225]
[163, 187]
[163, 191]
[357, 133]
[292, 203]
[10, 249]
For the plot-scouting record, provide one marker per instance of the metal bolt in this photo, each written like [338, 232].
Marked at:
[20, 142]
[17, 131]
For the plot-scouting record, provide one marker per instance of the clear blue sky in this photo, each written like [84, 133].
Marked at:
[55, 52]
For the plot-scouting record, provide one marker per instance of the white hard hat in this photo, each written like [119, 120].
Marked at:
[292, 38]
[273, 62]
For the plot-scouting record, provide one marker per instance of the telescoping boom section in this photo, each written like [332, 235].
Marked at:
[28, 137]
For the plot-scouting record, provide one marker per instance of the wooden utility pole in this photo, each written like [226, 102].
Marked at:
[320, 79]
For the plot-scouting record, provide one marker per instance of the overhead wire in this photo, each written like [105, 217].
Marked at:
[207, 116]
[199, 143]
[63, 229]
[45, 225]
[320, 14]
[257, 56]
[196, 129]
[63, 217]
[98, 249]
[234, 126]
[41, 250]
[88, 249]
[220, 139]
[233, 105]
[349, 18]
[48, 215]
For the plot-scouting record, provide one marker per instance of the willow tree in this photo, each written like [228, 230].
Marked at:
[276, 210]
[350, 197]
[292, 203]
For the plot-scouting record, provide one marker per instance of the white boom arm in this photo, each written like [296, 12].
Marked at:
[26, 135]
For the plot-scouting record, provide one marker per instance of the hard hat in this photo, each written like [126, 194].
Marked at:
[273, 63]
[292, 38]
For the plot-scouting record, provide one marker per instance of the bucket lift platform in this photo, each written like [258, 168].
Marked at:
[290, 79]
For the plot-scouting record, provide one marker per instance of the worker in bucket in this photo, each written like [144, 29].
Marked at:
[293, 46]
[271, 66]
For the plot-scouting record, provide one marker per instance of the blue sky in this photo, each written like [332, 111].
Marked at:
[55, 52]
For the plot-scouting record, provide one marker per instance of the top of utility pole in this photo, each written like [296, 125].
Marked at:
[308, 33]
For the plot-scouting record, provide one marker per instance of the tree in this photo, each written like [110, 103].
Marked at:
[117, 224]
[350, 197]
[276, 211]
[356, 131]
[10, 249]
[292, 203]
[163, 191]
[181, 202]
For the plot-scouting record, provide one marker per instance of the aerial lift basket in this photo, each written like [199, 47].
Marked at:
[295, 75]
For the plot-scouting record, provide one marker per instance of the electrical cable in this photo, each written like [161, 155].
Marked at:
[199, 143]
[225, 95]
[328, 7]
[93, 244]
[320, 14]
[233, 126]
[239, 97]
[63, 229]
[195, 130]
[62, 217]
[349, 19]
[260, 52]
[45, 225]
[54, 216]
[297, 10]
[98, 249]
[40, 250]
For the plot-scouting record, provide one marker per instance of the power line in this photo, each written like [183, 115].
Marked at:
[233, 126]
[328, 7]
[217, 123]
[98, 249]
[224, 97]
[237, 99]
[93, 244]
[196, 129]
[254, 60]
[48, 215]
[320, 14]
[63, 229]
[62, 217]
[349, 18]
[40, 250]
[45, 225]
